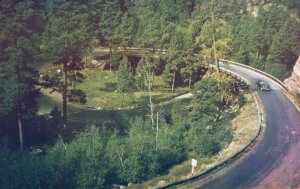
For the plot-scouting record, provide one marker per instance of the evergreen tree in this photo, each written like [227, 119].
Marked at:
[126, 30]
[149, 33]
[17, 77]
[284, 50]
[175, 59]
[214, 39]
[67, 38]
[142, 162]
[270, 20]
[125, 78]
[246, 39]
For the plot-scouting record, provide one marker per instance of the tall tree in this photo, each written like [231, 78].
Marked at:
[246, 39]
[125, 78]
[67, 38]
[147, 67]
[270, 20]
[110, 19]
[172, 69]
[214, 39]
[175, 60]
[192, 62]
[284, 50]
[126, 30]
[192, 65]
[17, 77]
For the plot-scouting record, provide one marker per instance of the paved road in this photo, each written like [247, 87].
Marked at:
[274, 160]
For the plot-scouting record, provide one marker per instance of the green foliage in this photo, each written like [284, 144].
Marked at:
[125, 78]
[17, 78]
[171, 143]
[142, 162]
[170, 72]
[149, 35]
[247, 37]
[115, 58]
[257, 62]
[267, 39]
[209, 130]
[207, 100]
[89, 148]
[66, 39]
[77, 95]
[52, 81]
[80, 164]
[284, 49]
[67, 33]
[55, 114]
[178, 113]
[203, 143]
[18, 94]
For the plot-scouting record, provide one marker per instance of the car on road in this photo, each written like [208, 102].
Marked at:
[263, 85]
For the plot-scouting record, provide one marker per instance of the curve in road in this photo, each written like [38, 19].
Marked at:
[274, 161]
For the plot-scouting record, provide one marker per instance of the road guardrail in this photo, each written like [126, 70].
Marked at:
[258, 71]
[233, 156]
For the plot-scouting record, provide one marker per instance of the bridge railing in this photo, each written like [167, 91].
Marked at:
[227, 61]
[258, 71]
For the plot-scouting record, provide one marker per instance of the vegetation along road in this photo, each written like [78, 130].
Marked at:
[273, 161]
[98, 124]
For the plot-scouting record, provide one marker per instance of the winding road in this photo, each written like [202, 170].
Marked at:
[273, 163]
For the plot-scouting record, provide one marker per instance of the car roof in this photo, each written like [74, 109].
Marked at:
[261, 81]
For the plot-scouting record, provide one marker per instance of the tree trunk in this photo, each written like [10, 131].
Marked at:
[85, 61]
[74, 82]
[122, 100]
[132, 97]
[152, 82]
[190, 80]
[20, 130]
[19, 110]
[173, 80]
[64, 96]
[156, 131]
[20, 123]
[216, 60]
[124, 51]
[151, 105]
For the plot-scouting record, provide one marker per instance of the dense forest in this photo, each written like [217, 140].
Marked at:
[260, 33]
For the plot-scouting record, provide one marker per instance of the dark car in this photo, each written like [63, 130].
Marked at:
[263, 85]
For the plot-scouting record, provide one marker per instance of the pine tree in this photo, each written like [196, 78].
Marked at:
[125, 78]
[67, 39]
[18, 95]
[284, 50]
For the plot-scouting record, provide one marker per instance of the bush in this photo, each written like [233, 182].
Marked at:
[77, 96]
[80, 164]
[209, 130]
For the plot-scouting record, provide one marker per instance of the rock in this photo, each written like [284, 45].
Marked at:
[161, 182]
[293, 82]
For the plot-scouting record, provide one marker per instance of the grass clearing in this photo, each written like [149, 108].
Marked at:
[101, 90]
